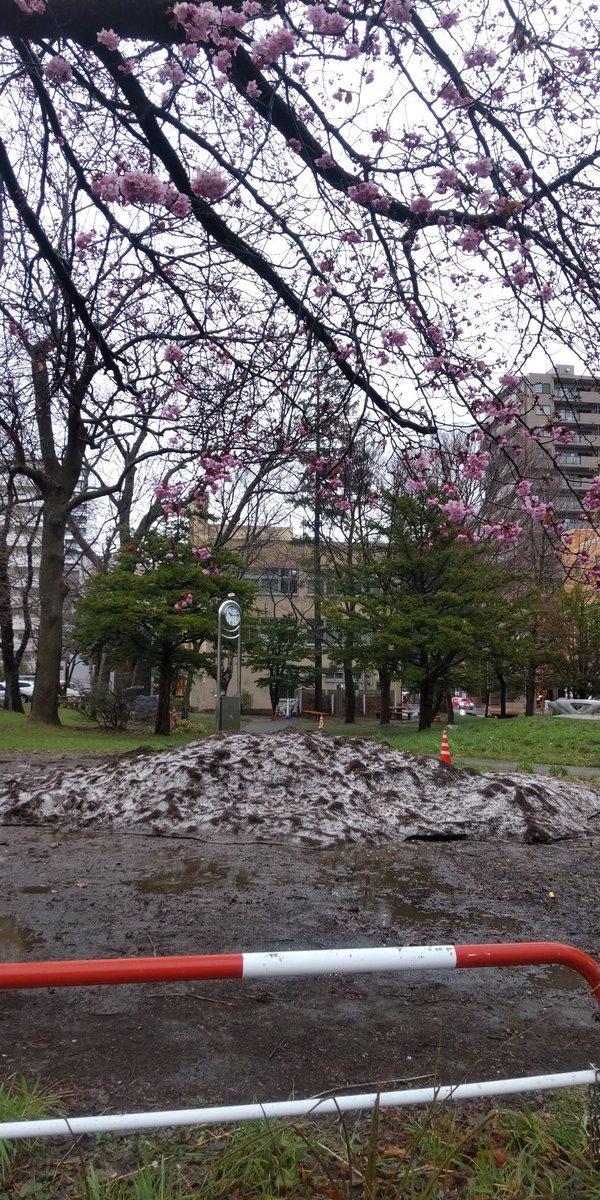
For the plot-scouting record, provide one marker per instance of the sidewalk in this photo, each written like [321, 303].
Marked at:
[538, 768]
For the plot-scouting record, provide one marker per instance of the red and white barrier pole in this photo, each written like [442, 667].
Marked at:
[312, 1107]
[90, 972]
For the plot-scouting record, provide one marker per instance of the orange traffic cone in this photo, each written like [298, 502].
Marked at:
[321, 722]
[445, 755]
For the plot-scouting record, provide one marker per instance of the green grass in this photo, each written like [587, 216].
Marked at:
[78, 735]
[396, 1155]
[526, 740]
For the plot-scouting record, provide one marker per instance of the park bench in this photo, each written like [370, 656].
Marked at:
[315, 712]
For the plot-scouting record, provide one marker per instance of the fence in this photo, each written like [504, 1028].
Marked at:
[92, 972]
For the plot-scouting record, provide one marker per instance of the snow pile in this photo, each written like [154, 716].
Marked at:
[299, 788]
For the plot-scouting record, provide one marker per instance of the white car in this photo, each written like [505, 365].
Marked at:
[25, 688]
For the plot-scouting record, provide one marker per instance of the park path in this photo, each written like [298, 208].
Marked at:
[537, 768]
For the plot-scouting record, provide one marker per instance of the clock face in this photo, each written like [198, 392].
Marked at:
[231, 615]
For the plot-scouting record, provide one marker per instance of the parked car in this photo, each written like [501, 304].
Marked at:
[25, 688]
[463, 704]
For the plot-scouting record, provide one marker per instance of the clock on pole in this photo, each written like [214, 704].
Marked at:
[229, 641]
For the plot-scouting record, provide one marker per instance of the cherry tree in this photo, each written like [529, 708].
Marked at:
[408, 186]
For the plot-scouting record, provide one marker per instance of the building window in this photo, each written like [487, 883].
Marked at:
[546, 409]
[569, 459]
[331, 585]
[276, 581]
[566, 393]
[541, 389]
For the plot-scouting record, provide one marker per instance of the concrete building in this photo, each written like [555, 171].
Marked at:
[24, 540]
[573, 401]
[279, 564]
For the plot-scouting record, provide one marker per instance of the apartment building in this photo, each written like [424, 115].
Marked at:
[573, 401]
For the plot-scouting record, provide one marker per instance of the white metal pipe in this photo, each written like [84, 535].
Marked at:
[131, 1122]
[351, 961]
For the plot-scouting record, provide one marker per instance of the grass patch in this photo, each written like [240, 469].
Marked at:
[439, 1153]
[529, 740]
[76, 734]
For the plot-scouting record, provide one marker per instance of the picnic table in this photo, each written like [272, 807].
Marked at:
[315, 712]
[398, 712]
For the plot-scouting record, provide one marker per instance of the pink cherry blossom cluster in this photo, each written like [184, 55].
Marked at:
[205, 555]
[169, 498]
[329, 24]
[420, 204]
[475, 465]
[591, 501]
[369, 195]
[562, 436]
[508, 533]
[171, 412]
[140, 187]
[398, 10]
[538, 509]
[174, 354]
[31, 7]
[206, 22]
[480, 56]
[471, 239]
[217, 469]
[171, 72]
[185, 602]
[270, 48]
[210, 185]
[58, 70]
[394, 338]
[108, 38]
[481, 168]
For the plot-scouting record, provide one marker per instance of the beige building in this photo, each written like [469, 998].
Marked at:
[279, 565]
[573, 401]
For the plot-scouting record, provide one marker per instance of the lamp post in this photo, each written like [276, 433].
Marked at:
[229, 630]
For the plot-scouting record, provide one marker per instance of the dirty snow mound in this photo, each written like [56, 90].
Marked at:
[299, 788]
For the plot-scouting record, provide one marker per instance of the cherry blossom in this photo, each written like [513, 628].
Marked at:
[210, 185]
[58, 70]
[331, 24]
[108, 38]
[269, 49]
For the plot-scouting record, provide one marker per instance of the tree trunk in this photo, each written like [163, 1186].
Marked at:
[44, 708]
[349, 695]
[487, 701]
[530, 688]
[502, 682]
[449, 708]
[187, 692]
[385, 683]
[12, 695]
[274, 698]
[426, 705]
[163, 713]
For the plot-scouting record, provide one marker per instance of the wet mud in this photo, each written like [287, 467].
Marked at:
[88, 894]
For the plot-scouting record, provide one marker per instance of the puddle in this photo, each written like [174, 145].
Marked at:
[557, 979]
[16, 941]
[195, 873]
[412, 897]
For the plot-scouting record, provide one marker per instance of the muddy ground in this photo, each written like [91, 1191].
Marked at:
[98, 894]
